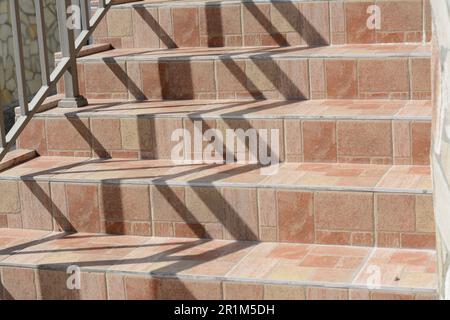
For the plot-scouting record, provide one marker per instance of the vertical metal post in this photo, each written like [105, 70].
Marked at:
[85, 14]
[2, 130]
[18, 55]
[72, 99]
[42, 41]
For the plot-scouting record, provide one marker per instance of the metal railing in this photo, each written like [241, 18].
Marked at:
[66, 66]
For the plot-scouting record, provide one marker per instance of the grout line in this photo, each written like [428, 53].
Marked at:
[410, 141]
[258, 214]
[241, 19]
[216, 80]
[410, 74]
[358, 78]
[330, 39]
[309, 74]
[393, 142]
[152, 211]
[375, 220]
[424, 22]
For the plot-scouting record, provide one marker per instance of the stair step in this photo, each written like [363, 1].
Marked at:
[295, 73]
[351, 204]
[34, 266]
[379, 131]
[16, 157]
[155, 24]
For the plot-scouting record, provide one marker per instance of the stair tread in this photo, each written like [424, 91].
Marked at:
[312, 176]
[226, 260]
[145, 3]
[334, 51]
[254, 109]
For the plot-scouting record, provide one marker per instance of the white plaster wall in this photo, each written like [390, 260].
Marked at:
[441, 138]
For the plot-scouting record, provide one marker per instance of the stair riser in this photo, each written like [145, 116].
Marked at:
[263, 78]
[295, 216]
[42, 284]
[264, 24]
[335, 141]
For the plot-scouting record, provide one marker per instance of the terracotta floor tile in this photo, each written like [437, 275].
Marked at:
[288, 272]
[308, 264]
[43, 167]
[12, 240]
[188, 257]
[239, 52]
[196, 109]
[407, 177]
[342, 251]
[295, 252]
[399, 269]
[332, 275]
[253, 268]
[320, 261]
[26, 234]
[86, 251]
[301, 262]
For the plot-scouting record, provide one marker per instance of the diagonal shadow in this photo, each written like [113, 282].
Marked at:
[22, 246]
[215, 33]
[305, 29]
[44, 198]
[156, 27]
[170, 196]
[4, 293]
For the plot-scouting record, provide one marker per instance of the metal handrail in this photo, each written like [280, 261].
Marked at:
[66, 66]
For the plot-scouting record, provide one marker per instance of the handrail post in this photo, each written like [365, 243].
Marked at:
[2, 130]
[66, 67]
[18, 55]
[42, 41]
[72, 98]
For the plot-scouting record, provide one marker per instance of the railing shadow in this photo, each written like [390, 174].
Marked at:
[156, 28]
[215, 34]
[5, 294]
[233, 223]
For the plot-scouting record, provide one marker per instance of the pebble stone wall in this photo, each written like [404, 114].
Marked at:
[8, 86]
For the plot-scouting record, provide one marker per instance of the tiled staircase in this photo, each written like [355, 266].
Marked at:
[348, 215]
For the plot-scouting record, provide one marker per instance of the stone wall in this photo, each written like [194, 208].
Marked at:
[441, 138]
[8, 88]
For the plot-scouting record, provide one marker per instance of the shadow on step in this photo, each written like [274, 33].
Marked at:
[235, 227]
[176, 78]
[182, 80]
[297, 22]
[183, 88]
[52, 280]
